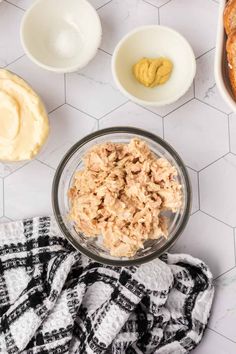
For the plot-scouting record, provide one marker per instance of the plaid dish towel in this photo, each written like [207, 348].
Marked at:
[55, 300]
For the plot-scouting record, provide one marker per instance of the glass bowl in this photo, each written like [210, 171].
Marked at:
[92, 247]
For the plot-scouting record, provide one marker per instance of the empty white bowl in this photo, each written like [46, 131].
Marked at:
[61, 35]
[154, 41]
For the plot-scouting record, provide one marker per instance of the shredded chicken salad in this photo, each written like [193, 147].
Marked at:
[121, 194]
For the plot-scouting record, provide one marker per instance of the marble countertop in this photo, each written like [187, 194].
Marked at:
[200, 126]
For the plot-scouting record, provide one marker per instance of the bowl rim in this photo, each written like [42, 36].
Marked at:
[102, 133]
[67, 69]
[141, 101]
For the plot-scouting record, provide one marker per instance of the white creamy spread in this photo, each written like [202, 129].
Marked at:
[24, 123]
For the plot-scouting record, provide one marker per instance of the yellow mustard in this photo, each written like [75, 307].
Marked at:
[24, 123]
[152, 72]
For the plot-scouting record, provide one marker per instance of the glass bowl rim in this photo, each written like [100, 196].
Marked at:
[100, 133]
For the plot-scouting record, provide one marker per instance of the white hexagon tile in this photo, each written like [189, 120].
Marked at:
[92, 89]
[28, 191]
[157, 3]
[205, 86]
[8, 168]
[23, 4]
[199, 126]
[98, 3]
[164, 110]
[198, 132]
[133, 115]
[119, 17]
[210, 240]
[232, 126]
[4, 219]
[67, 126]
[40, 79]
[213, 340]
[196, 20]
[223, 316]
[218, 190]
[9, 28]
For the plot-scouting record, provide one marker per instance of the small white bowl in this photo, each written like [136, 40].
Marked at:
[61, 36]
[154, 41]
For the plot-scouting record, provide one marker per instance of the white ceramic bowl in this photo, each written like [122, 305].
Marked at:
[221, 64]
[154, 41]
[61, 36]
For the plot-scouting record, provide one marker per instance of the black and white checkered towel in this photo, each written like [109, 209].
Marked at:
[55, 300]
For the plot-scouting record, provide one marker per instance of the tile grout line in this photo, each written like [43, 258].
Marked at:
[175, 109]
[121, 105]
[224, 273]
[219, 158]
[208, 51]
[148, 3]
[14, 61]
[207, 104]
[147, 109]
[164, 4]
[195, 212]
[165, 115]
[104, 51]
[222, 335]
[100, 7]
[18, 7]
[18, 168]
[213, 217]
[45, 164]
[54, 109]
[198, 190]
[87, 114]
[191, 168]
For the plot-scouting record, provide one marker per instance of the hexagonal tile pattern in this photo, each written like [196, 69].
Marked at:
[23, 4]
[1, 197]
[98, 3]
[182, 15]
[119, 17]
[205, 86]
[210, 240]
[213, 340]
[7, 168]
[133, 115]
[194, 183]
[164, 110]
[40, 79]
[28, 191]
[200, 126]
[9, 28]
[157, 3]
[218, 190]
[68, 125]
[4, 219]
[198, 132]
[232, 125]
[92, 89]
[223, 315]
